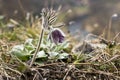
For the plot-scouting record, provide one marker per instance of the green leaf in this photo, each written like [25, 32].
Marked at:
[41, 54]
[18, 51]
[29, 41]
[63, 56]
[18, 48]
[61, 46]
[53, 55]
[29, 45]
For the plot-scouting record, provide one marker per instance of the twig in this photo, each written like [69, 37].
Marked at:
[68, 72]
[13, 56]
[37, 73]
[59, 63]
[21, 7]
[99, 72]
[38, 47]
[109, 28]
[86, 64]
[35, 76]
[13, 70]
[51, 64]
[114, 57]
[7, 76]
[116, 36]
[84, 44]
[115, 68]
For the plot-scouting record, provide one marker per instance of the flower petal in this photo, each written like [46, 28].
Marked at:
[57, 36]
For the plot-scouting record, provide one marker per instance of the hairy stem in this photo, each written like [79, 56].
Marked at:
[109, 28]
[38, 48]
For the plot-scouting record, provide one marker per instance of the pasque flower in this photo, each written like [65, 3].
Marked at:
[57, 36]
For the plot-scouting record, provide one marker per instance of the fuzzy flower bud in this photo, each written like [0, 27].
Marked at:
[57, 36]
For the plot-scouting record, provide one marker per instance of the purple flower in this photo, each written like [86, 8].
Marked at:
[57, 36]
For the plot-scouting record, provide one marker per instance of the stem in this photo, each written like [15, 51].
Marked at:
[38, 47]
[109, 28]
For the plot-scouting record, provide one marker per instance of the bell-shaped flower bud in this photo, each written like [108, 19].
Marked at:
[57, 36]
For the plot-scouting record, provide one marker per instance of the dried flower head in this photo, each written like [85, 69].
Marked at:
[57, 36]
[48, 17]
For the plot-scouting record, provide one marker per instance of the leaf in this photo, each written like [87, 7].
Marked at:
[61, 46]
[43, 46]
[41, 57]
[29, 48]
[63, 55]
[53, 55]
[29, 41]
[18, 48]
[18, 51]
[29, 44]
[66, 45]
[41, 54]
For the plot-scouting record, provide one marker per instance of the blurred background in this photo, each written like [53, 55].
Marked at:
[80, 16]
